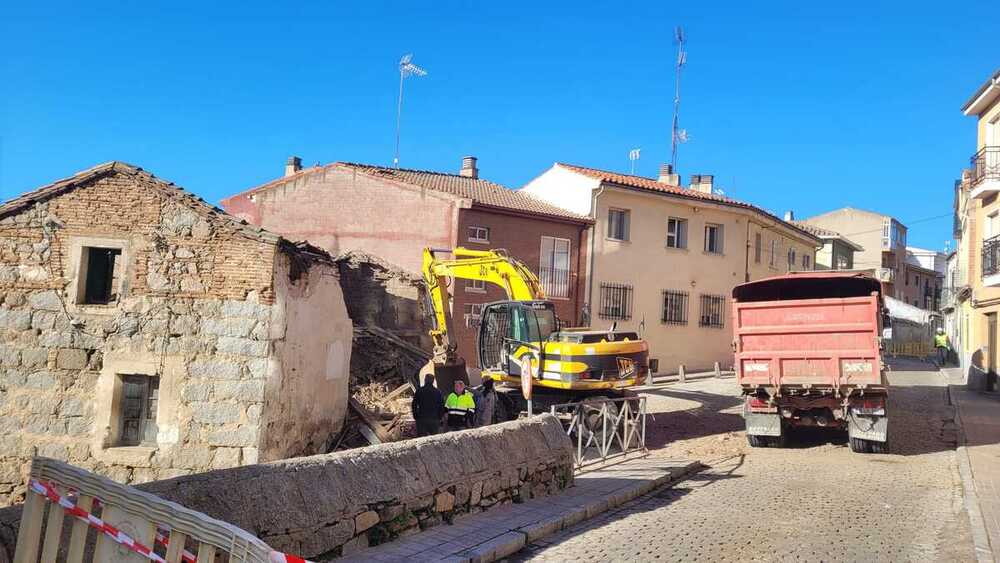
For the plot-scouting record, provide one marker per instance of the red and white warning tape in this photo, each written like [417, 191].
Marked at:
[52, 495]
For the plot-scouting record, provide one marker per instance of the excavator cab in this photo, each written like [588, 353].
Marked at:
[509, 330]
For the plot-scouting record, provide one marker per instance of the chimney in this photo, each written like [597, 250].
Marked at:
[469, 169]
[667, 175]
[293, 165]
[789, 215]
[702, 183]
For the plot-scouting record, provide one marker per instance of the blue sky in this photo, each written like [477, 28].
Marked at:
[798, 105]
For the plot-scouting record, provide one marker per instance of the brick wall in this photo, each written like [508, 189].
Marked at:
[522, 237]
[341, 210]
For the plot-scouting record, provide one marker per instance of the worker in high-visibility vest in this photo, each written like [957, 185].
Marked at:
[941, 346]
[461, 407]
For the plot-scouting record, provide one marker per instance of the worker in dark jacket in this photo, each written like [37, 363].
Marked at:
[428, 408]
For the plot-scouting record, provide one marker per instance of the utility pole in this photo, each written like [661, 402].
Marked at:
[677, 135]
[406, 68]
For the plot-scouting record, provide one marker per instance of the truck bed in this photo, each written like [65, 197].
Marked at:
[808, 343]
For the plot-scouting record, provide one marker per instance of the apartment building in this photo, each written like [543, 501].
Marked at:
[664, 259]
[395, 213]
[927, 268]
[837, 252]
[980, 236]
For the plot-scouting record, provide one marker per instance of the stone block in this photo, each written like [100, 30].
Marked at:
[195, 391]
[171, 473]
[365, 520]
[253, 412]
[250, 456]
[55, 451]
[46, 301]
[192, 457]
[354, 545]
[228, 327]
[324, 539]
[214, 370]
[245, 309]
[391, 512]
[444, 502]
[258, 368]
[243, 436]
[9, 356]
[43, 320]
[45, 404]
[477, 493]
[242, 347]
[215, 413]
[225, 458]
[68, 358]
[40, 380]
[55, 339]
[249, 391]
[34, 357]
[15, 320]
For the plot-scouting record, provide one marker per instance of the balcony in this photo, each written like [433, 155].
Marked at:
[985, 180]
[887, 275]
[991, 262]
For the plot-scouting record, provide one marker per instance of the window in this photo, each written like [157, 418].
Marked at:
[616, 301]
[675, 307]
[618, 224]
[713, 238]
[677, 233]
[475, 286]
[791, 258]
[713, 311]
[807, 261]
[773, 260]
[100, 272]
[479, 234]
[842, 262]
[553, 267]
[907, 278]
[139, 397]
[756, 248]
[473, 312]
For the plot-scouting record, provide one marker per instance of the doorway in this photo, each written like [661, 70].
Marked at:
[991, 351]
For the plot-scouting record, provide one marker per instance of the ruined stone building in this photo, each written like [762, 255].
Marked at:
[395, 213]
[145, 334]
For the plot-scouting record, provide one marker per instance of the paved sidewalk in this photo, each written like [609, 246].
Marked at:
[494, 534]
[979, 453]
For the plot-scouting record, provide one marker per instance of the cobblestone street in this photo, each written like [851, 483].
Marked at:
[814, 501]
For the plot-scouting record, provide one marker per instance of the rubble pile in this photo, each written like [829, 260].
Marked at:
[391, 344]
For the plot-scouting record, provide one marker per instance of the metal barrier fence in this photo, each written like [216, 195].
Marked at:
[604, 429]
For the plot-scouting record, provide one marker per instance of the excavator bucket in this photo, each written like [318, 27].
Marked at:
[445, 374]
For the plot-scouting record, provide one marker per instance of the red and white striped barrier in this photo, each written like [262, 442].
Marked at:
[52, 495]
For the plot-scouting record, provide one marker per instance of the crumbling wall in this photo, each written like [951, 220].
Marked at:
[195, 308]
[328, 505]
[382, 295]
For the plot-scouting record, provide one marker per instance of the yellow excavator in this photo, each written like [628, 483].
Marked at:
[523, 333]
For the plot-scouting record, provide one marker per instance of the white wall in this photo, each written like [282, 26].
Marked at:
[564, 188]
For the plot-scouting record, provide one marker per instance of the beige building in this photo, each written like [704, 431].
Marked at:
[664, 259]
[837, 252]
[145, 334]
[978, 214]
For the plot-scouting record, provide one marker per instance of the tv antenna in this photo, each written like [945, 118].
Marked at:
[406, 68]
[678, 135]
[633, 155]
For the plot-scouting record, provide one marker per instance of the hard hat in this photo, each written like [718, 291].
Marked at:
[940, 331]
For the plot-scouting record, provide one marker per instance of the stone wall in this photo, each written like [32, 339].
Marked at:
[196, 306]
[329, 505]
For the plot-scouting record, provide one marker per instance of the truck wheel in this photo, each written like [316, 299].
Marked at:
[592, 423]
[757, 441]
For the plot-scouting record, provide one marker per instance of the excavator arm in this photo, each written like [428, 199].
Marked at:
[491, 266]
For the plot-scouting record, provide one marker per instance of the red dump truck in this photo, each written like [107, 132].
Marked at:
[808, 353]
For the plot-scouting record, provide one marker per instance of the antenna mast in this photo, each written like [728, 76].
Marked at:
[406, 68]
[677, 135]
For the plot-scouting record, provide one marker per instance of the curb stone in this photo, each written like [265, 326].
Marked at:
[516, 539]
[980, 537]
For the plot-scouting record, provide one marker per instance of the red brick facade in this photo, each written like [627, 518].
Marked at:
[341, 209]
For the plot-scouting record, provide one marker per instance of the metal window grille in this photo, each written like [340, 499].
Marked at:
[555, 281]
[991, 256]
[713, 311]
[473, 314]
[616, 301]
[675, 307]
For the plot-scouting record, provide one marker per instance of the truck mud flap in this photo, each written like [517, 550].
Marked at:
[760, 424]
[868, 427]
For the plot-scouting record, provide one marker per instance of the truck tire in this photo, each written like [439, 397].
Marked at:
[766, 441]
[592, 423]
